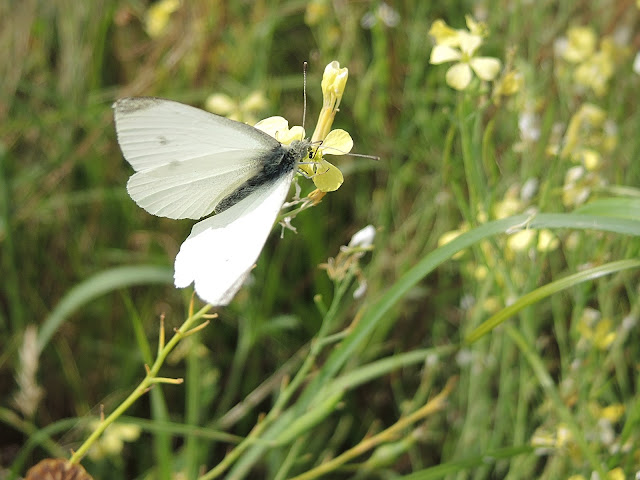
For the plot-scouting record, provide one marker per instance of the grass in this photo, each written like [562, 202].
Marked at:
[508, 352]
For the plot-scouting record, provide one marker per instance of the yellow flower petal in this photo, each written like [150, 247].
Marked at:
[278, 128]
[469, 43]
[295, 133]
[459, 76]
[157, 16]
[521, 240]
[582, 43]
[614, 412]
[272, 125]
[485, 67]
[334, 79]
[443, 54]
[220, 103]
[444, 34]
[476, 28]
[337, 142]
[547, 241]
[328, 178]
[255, 101]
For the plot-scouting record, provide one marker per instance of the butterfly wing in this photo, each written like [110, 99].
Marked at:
[186, 160]
[221, 250]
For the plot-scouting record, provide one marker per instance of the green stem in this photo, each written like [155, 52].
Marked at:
[470, 159]
[290, 389]
[144, 386]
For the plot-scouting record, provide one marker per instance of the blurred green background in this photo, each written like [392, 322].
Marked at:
[552, 395]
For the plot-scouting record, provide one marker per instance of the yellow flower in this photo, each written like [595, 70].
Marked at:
[444, 34]
[613, 413]
[616, 474]
[241, 111]
[595, 72]
[460, 74]
[112, 440]
[590, 158]
[278, 128]
[592, 67]
[333, 83]
[157, 16]
[547, 241]
[595, 330]
[324, 141]
[325, 176]
[476, 28]
[316, 11]
[508, 84]
[510, 204]
[521, 240]
[581, 44]
[588, 135]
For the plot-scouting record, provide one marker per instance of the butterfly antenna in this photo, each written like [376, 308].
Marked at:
[304, 92]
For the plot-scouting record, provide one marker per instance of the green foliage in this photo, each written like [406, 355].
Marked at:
[497, 337]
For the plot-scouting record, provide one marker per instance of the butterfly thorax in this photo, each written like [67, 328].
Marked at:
[274, 165]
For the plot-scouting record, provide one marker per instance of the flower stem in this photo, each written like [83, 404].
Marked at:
[149, 380]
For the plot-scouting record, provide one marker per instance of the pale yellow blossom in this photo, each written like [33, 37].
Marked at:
[581, 44]
[547, 241]
[460, 46]
[521, 241]
[325, 141]
[157, 16]
[241, 111]
[112, 440]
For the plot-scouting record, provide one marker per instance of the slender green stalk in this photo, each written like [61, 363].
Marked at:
[290, 389]
[548, 385]
[546, 290]
[149, 380]
[387, 435]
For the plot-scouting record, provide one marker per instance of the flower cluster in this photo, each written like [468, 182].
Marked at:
[240, 110]
[589, 138]
[325, 176]
[461, 46]
[590, 68]
[157, 16]
[347, 261]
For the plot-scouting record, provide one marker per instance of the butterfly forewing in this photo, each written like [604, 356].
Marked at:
[186, 159]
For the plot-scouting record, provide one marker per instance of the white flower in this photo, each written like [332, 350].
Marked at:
[363, 238]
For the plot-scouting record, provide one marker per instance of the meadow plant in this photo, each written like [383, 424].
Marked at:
[481, 322]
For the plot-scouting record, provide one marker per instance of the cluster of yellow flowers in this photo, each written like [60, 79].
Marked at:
[589, 138]
[586, 66]
[326, 176]
[157, 16]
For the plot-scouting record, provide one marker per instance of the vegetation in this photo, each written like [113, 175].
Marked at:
[494, 328]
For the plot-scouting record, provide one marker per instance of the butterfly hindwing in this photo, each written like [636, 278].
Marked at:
[221, 250]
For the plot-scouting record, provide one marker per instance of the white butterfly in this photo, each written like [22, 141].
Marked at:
[190, 163]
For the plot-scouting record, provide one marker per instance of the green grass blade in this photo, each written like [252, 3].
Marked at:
[463, 465]
[613, 207]
[547, 290]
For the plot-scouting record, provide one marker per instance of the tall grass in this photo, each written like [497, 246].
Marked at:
[497, 337]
